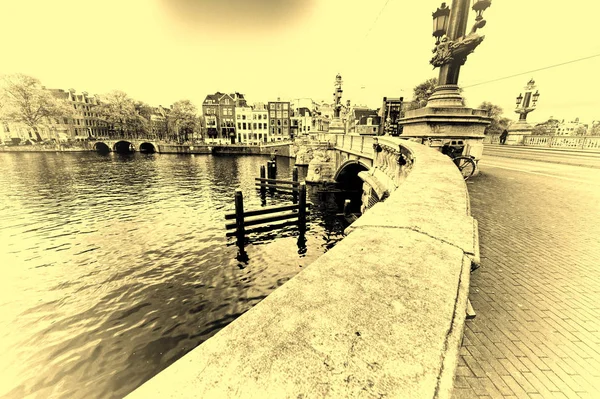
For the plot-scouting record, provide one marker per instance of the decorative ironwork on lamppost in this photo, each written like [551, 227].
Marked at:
[528, 102]
[337, 96]
[452, 47]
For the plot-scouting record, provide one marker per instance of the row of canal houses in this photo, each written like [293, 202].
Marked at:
[229, 119]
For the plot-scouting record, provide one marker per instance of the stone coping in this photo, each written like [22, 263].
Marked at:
[379, 315]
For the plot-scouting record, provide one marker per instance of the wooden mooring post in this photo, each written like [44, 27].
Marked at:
[302, 210]
[263, 189]
[278, 185]
[295, 179]
[239, 218]
[290, 215]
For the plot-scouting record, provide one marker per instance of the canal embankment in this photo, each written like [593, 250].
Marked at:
[380, 314]
[279, 149]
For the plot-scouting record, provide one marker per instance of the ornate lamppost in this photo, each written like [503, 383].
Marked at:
[452, 47]
[525, 104]
[445, 117]
[336, 125]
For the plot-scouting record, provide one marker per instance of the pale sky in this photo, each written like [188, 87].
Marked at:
[161, 51]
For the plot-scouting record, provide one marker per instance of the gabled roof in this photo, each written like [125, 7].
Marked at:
[359, 113]
[364, 120]
[303, 111]
[225, 95]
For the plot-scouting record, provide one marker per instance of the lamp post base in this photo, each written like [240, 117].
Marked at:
[446, 96]
[448, 124]
[517, 132]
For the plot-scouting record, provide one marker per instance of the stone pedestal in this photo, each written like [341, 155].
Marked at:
[336, 126]
[452, 123]
[321, 168]
[517, 131]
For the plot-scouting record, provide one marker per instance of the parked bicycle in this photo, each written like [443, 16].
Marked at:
[466, 164]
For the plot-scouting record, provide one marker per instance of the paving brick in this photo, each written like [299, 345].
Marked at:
[461, 393]
[518, 390]
[537, 294]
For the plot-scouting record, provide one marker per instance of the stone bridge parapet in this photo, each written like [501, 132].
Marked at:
[379, 315]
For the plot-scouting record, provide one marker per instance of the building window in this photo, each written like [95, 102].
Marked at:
[279, 114]
[272, 113]
[278, 130]
[244, 125]
[239, 125]
[285, 122]
[285, 114]
[272, 121]
[278, 105]
[243, 117]
[254, 125]
[254, 116]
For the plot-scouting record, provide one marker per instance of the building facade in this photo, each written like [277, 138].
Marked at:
[219, 112]
[279, 120]
[571, 128]
[84, 123]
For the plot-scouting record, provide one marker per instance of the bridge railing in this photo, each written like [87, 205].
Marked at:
[565, 142]
[581, 142]
[354, 143]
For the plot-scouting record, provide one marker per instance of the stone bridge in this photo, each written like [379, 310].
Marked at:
[379, 315]
[375, 165]
[125, 146]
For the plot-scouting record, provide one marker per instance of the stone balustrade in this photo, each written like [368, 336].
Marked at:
[589, 143]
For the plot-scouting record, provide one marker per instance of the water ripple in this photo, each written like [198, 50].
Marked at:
[119, 265]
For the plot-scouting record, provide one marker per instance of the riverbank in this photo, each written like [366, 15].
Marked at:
[281, 149]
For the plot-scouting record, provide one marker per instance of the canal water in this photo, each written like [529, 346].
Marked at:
[114, 266]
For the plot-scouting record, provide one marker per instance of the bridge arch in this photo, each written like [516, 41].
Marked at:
[101, 147]
[348, 180]
[123, 147]
[147, 148]
[348, 166]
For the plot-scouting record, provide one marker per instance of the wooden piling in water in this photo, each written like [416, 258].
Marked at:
[239, 218]
[347, 207]
[295, 179]
[263, 189]
[302, 209]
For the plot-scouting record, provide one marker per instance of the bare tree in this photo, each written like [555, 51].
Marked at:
[499, 123]
[124, 115]
[26, 102]
[183, 119]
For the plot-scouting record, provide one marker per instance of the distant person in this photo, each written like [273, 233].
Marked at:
[503, 136]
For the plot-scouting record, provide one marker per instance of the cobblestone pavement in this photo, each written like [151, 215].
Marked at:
[537, 293]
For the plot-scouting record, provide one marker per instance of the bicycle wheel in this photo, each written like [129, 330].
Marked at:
[466, 166]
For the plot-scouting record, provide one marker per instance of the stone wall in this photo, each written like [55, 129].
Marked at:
[282, 149]
[379, 315]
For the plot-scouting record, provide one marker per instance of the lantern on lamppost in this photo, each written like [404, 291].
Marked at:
[527, 102]
[519, 99]
[535, 97]
[479, 6]
[440, 22]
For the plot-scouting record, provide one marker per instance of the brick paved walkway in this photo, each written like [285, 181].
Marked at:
[537, 293]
